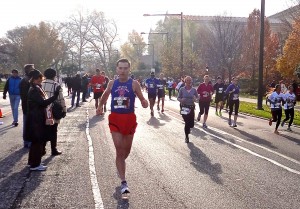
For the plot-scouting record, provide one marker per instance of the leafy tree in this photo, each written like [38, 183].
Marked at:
[290, 60]
[33, 44]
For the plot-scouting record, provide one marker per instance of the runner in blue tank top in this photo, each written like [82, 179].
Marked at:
[122, 120]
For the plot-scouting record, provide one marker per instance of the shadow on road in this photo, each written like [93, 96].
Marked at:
[122, 203]
[204, 165]
[297, 141]
[153, 121]
[255, 139]
[4, 129]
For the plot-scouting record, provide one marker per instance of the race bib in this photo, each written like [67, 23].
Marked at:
[220, 90]
[121, 102]
[151, 85]
[278, 104]
[185, 110]
[235, 97]
[98, 86]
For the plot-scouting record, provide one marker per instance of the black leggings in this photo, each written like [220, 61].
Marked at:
[276, 116]
[236, 104]
[289, 113]
[189, 121]
[170, 92]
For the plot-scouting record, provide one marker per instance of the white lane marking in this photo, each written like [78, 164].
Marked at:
[252, 143]
[95, 186]
[247, 150]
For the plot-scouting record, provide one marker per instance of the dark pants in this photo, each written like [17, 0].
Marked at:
[289, 113]
[170, 92]
[84, 95]
[276, 116]
[189, 121]
[52, 136]
[73, 97]
[35, 154]
[236, 104]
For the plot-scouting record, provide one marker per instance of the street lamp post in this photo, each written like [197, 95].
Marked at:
[261, 57]
[181, 35]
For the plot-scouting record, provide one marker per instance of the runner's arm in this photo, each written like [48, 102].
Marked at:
[104, 97]
[137, 90]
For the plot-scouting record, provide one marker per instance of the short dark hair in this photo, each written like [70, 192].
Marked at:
[50, 73]
[123, 60]
[98, 70]
[14, 71]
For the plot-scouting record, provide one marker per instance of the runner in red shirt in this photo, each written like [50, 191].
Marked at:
[97, 83]
[205, 91]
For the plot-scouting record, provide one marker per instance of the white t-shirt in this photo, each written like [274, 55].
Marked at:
[290, 99]
[276, 100]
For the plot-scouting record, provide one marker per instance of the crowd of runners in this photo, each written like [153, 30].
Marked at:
[38, 95]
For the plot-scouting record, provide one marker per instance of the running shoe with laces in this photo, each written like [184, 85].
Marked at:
[282, 123]
[124, 188]
[204, 125]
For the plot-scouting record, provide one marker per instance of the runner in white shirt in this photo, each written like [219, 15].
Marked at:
[276, 99]
[290, 101]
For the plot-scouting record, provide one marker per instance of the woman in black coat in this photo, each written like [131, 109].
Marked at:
[37, 103]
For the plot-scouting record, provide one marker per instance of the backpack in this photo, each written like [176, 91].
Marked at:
[57, 110]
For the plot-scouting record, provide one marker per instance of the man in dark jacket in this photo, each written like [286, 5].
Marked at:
[24, 87]
[76, 87]
[12, 86]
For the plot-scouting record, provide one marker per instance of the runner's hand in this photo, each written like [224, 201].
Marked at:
[99, 111]
[144, 103]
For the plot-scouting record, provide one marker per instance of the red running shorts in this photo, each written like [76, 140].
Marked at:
[122, 123]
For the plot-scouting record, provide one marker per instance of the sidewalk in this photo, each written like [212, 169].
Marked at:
[264, 102]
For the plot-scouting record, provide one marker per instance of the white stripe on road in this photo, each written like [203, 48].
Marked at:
[93, 175]
[247, 150]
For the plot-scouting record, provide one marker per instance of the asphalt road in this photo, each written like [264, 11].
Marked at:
[221, 167]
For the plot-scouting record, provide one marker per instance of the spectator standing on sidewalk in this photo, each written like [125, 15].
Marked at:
[76, 88]
[24, 87]
[84, 87]
[49, 86]
[122, 120]
[12, 86]
[37, 118]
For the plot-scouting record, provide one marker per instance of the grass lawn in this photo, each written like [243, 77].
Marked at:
[250, 108]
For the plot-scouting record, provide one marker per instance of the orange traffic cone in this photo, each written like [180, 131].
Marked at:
[1, 116]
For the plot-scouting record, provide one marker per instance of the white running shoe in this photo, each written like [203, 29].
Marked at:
[124, 188]
[39, 168]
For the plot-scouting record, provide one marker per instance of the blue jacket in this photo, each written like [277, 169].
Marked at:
[12, 86]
